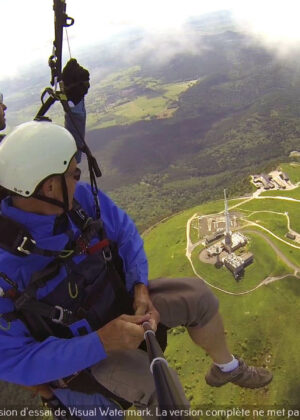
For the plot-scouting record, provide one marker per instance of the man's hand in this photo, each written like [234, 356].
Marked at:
[124, 332]
[142, 305]
[76, 81]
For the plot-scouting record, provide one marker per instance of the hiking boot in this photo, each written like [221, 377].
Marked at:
[244, 376]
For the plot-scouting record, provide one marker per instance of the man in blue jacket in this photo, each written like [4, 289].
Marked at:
[74, 289]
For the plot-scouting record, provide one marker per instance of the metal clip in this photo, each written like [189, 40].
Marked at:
[107, 254]
[61, 315]
[21, 247]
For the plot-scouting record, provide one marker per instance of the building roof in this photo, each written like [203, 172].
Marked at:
[247, 256]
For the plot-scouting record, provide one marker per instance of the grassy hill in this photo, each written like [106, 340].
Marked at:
[260, 325]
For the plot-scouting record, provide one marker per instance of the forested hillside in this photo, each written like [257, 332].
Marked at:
[240, 120]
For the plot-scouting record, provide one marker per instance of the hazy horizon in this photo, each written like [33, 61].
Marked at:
[29, 40]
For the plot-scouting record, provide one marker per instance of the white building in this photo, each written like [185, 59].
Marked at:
[237, 240]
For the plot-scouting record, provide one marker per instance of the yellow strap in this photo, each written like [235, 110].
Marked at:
[65, 253]
[73, 296]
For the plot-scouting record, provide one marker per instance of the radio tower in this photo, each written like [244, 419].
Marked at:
[228, 241]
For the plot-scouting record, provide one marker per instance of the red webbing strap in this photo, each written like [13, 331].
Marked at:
[98, 246]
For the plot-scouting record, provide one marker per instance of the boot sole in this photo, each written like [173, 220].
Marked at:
[241, 386]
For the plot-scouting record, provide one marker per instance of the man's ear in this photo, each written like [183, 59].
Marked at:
[48, 186]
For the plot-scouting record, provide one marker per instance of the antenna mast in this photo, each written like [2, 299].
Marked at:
[228, 240]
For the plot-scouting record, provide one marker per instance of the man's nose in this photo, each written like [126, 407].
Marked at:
[3, 106]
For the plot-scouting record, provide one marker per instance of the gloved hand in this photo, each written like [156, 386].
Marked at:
[76, 81]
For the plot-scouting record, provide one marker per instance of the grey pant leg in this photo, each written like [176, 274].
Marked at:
[183, 301]
[126, 373]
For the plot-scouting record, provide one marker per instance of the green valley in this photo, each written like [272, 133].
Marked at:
[126, 97]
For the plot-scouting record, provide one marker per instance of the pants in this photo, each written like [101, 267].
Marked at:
[181, 301]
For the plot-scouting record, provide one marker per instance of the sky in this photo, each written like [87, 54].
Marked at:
[27, 27]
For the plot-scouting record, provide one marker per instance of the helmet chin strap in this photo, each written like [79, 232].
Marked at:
[62, 204]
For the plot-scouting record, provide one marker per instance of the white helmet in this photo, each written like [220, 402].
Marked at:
[31, 153]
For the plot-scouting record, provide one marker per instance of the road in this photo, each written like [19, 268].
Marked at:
[271, 233]
[277, 250]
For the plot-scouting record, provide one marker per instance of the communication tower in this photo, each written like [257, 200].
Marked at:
[228, 233]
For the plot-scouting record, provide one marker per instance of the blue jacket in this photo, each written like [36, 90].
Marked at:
[24, 360]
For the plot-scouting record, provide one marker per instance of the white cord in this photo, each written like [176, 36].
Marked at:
[157, 359]
[148, 331]
[68, 42]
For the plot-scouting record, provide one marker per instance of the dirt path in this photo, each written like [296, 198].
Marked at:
[271, 233]
[277, 250]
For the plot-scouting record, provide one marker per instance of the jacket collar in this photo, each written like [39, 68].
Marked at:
[39, 226]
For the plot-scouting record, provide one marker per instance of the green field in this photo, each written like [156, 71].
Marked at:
[293, 254]
[295, 193]
[120, 79]
[276, 205]
[120, 99]
[293, 170]
[143, 107]
[277, 223]
[260, 325]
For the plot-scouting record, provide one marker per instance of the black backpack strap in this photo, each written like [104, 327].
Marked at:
[26, 301]
[88, 227]
[16, 239]
[79, 216]
[56, 314]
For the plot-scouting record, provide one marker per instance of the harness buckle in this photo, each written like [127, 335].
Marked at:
[107, 255]
[21, 247]
[60, 317]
